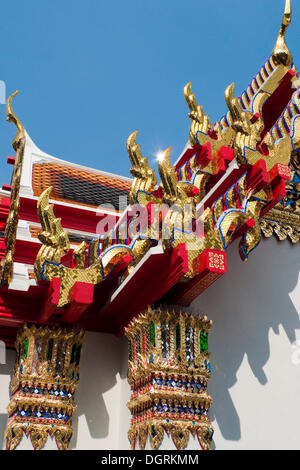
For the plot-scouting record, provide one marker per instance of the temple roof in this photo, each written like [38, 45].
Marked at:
[235, 173]
[72, 183]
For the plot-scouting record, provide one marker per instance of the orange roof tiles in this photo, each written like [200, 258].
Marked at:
[52, 174]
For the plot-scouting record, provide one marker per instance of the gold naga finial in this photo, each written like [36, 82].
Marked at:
[11, 117]
[175, 192]
[18, 143]
[196, 111]
[200, 120]
[240, 118]
[168, 177]
[144, 176]
[281, 53]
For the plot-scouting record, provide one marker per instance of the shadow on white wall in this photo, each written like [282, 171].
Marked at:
[248, 301]
[101, 361]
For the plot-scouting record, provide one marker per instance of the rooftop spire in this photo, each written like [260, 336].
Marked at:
[281, 53]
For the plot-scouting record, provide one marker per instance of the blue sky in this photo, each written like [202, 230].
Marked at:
[91, 72]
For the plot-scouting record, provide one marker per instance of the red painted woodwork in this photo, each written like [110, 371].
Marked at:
[158, 274]
[26, 251]
[18, 307]
[51, 300]
[4, 209]
[11, 160]
[257, 176]
[212, 265]
[275, 105]
[71, 217]
[203, 156]
[82, 296]
[278, 172]
[2, 247]
[188, 154]
[232, 178]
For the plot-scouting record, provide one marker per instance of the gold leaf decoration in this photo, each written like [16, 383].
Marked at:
[168, 372]
[43, 386]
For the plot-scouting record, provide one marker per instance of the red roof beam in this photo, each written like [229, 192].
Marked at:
[212, 265]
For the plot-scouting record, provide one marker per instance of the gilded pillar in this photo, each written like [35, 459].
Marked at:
[43, 386]
[168, 372]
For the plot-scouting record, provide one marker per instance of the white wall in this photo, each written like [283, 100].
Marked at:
[255, 308]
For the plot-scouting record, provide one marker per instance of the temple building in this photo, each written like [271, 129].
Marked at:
[159, 311]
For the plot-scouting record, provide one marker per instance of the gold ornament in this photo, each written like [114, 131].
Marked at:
[168, 373]
[144, 182]
[144, 176]
[281, 53]
[284, 220]
[55, 244]
[249, 135]
[201, 125]
[284, 224]
[239, 136]
[6, 267]
[43, 386]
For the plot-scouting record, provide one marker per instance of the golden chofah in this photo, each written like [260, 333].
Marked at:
[18, 143]
[56, 244]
